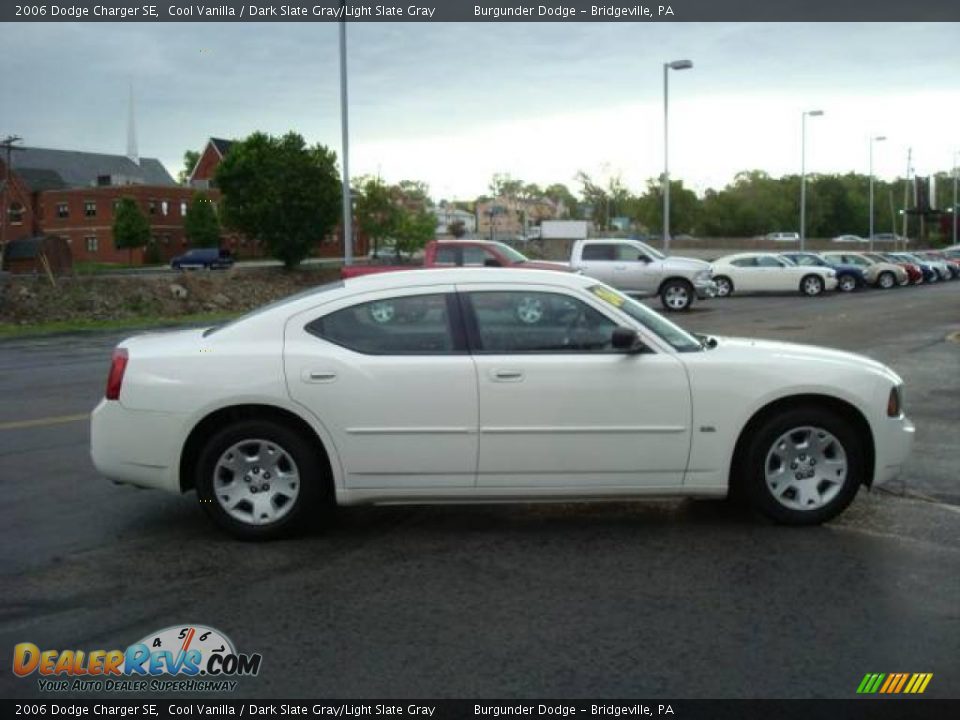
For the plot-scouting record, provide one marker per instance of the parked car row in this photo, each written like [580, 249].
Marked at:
[811, 273]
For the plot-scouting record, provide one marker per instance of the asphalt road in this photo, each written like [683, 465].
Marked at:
[654, 600]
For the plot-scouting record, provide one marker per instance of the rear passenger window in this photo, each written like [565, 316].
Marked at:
[745, 262]
[411, 325]
[445, 256]
[599, 252]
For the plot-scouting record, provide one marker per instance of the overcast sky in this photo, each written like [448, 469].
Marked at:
[453, 103]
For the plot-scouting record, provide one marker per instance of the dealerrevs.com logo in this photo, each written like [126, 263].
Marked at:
[180, 658]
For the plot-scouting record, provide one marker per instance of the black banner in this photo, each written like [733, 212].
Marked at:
[859, 709]
[479, 11]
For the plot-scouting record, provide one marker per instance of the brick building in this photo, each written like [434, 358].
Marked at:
[74, 194]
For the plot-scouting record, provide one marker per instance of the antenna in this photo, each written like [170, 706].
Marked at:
[132, 151]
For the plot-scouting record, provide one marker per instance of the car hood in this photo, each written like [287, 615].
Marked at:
[763, 352]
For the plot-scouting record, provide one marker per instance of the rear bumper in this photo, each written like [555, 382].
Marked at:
[893, 443]
[136, 447]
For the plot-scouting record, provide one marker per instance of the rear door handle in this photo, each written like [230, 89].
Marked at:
[507, 375]
[318, 376]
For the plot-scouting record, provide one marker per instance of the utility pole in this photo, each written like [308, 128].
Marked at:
[345, 130]
[906, 201]
[803, 174]
[7, 144]
[954, 208]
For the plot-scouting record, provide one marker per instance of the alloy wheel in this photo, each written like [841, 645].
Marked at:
[256, 481]
[677, 297]
[805, 468]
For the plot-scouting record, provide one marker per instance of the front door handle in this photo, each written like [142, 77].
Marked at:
[508, 375]
[318, 376]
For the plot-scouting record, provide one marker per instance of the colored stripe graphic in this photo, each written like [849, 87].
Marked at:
[894, 683]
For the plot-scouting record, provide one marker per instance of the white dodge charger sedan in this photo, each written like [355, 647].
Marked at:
[478, 385]
[769, 272]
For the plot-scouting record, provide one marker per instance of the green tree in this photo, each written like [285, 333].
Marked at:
[201, 225]
[457, 228]
[415, 229]
[190, 160]
[377, 210]
[561, 195]
[131, 229]
[281, 192]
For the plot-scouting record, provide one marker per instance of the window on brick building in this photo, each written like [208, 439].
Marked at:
[164, 207]
[91, 243]
[63, 210]
[90, 208]
[15, 212]
[152, 207]
[183, 208]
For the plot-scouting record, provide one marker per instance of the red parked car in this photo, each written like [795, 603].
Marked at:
[462, 253]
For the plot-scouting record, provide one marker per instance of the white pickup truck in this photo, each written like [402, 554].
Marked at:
[634, 267]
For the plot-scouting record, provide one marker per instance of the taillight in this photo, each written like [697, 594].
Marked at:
[893, 402]
[118, 365]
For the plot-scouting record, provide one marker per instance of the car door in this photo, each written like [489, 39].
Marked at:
[559, 408]
[597, 260]
[634, 271]
[389, 376]
[774, 275]
[745, 274]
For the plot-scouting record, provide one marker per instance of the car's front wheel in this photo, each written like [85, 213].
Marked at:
[260, 479]
[811, 285]
[802, 467]
[676, 295]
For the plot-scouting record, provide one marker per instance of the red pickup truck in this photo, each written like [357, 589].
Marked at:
[462, 253]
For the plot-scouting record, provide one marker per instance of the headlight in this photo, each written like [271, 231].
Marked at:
[831, 273]
[895, 401]
[703, 275]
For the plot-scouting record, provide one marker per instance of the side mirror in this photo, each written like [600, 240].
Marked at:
[626, 340]
[492, 262]
[643, 259]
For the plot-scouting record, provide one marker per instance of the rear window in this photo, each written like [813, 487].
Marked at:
[319, 290]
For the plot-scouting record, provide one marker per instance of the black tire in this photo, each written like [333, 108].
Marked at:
[724, 286]
[811, 285]
[846, 282]
[886, 280]
[677, 295]
[750, 481]
[315, 491]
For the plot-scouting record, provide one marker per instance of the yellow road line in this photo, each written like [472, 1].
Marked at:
[42, 422]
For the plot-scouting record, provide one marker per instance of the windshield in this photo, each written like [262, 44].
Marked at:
[511, 254]
[678, 338]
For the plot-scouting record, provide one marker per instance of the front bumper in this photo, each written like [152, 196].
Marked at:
[893, 443]
[705, 289]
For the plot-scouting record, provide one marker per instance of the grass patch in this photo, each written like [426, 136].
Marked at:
[13, 330]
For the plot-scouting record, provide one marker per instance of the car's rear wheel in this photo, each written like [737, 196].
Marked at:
[260, 479]
[724, 286]
[811, 285]
[886, 280]
[803, 466]
[676, 295]
[846, 283]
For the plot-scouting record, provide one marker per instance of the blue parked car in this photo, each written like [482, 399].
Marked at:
[849, 277]
[203, 258]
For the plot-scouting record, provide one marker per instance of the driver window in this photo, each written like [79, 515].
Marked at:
[538, 322]
[628, 253]
[745, 262]
[475, 256]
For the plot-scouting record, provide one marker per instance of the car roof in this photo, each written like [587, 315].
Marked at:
[758, 253]
[463, 275]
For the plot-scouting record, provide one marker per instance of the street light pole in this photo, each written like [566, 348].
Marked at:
[344, 127]
[667, 67]
[803, 174]
[878, 138]
[955, 197]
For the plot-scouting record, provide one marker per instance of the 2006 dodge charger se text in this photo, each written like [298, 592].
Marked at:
[488, 385]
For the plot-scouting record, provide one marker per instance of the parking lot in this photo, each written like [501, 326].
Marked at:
[658, 600]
